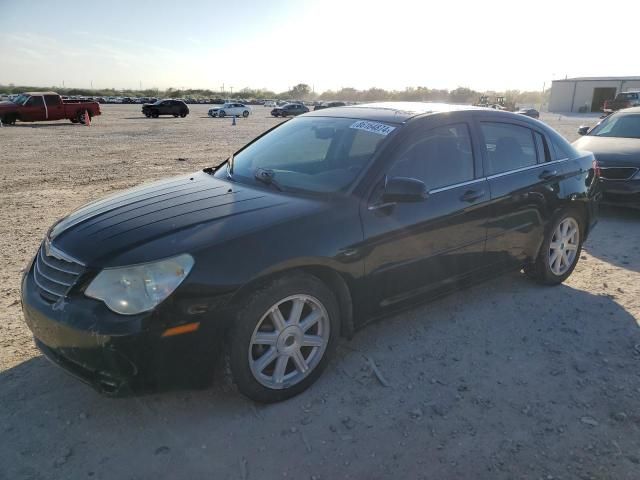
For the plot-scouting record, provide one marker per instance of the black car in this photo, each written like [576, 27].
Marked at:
[615, 142]
[329, 105]
[529, 112]
[177, 108]
[305, 234]
[289, 109]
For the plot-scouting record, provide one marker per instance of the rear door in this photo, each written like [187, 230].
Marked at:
[415, 247]
[54, 107]
[525, 183]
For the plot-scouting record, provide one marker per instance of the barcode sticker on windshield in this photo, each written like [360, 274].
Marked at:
[373, 127]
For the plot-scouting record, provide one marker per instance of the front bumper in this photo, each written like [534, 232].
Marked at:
[621, 192]
[116, 354]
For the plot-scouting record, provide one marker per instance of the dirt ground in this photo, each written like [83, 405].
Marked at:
[504, 380]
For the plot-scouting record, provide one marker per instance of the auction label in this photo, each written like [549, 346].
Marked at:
[373, 127]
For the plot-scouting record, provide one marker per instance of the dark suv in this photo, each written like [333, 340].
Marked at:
[324, 105]
[289, 109]
[165, 107]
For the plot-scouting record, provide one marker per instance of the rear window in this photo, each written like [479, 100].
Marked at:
[51, 99]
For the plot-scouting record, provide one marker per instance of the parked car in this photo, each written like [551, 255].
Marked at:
[289, 109]
[622, 100]
[329, 105]
[177, 108]
[529, 112]
[269, 103]
[307, 233]
[231, 110]
[46, 106]
[615, 142]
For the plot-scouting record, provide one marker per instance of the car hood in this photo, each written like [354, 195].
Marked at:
[7, 104]
[611, 151]
[196, 211]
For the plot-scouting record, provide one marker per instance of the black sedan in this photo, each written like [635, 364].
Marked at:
[304, 235]
[529, 112]
[177, 108]
[289, 110]
[615, 142]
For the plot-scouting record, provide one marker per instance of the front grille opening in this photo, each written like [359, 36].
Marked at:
[53, 276]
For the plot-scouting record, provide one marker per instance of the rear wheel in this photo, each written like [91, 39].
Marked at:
[560, 250]
[245, 114]
[283, 337]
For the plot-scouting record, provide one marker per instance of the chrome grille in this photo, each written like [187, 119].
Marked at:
[54, 276]
[617, 173]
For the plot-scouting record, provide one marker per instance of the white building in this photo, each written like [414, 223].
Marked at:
[571, 94]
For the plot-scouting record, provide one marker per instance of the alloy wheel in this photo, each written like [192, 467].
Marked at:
[564, 246]
[289, 341]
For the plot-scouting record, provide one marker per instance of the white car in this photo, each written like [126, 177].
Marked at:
[230, 110]
[270, 103]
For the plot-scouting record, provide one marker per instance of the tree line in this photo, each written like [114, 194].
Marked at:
[303, 91]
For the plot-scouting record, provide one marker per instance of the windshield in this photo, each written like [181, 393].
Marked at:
[21, 99]
[312, 154]
[625, 125]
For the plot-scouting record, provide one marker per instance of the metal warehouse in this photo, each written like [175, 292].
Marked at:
[587, 94]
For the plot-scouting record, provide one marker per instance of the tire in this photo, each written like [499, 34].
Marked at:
[245, 114]
[148, 115]
[551, 268]
[155, 114]
[74, 120]
[317, 302]
[283, 114]
[80, 118]
[175, 115]
[10, 119]
[182, 115]
[221, 113]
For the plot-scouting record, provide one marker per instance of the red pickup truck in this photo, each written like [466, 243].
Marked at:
[622, 100]
[42, 106]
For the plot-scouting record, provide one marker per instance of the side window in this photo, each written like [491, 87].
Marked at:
[35, 102]
[542, 148]
[561, 150]
[509, 146]
[439, 157]
[51, 99]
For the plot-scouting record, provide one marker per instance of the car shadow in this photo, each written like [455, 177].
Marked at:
[483, 380]
[616, 225]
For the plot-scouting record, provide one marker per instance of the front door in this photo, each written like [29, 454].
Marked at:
[413, 248]
[34, 109]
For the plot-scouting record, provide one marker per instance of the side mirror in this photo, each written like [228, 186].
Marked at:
[403, 189]
[583, 130]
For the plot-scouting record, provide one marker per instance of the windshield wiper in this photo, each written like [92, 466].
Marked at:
[266, 176]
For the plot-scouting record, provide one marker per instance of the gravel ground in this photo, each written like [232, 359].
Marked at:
[505, 380]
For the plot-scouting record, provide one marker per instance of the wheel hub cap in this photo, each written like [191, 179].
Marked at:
[564, 246]
[289, 341]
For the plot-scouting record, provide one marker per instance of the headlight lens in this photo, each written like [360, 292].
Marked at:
[139, 288]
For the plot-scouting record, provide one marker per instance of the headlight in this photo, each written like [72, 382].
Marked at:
[139, 288]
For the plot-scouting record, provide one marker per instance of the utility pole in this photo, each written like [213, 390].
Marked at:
[223, 89]
[231, 90]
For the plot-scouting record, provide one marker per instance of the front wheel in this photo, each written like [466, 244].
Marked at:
[182, 115]
[175, 115]
[282, 337]
[560, 250]
[221, 113]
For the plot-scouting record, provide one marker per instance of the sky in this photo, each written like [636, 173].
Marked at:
[328, 44]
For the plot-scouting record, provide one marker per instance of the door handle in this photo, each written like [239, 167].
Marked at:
[471, 196]
[548, 174]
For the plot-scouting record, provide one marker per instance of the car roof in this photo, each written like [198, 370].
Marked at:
[629, 110]
[397, 112]
[40, 93]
